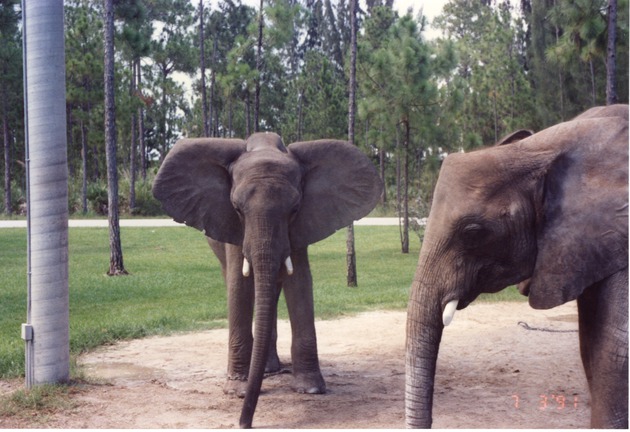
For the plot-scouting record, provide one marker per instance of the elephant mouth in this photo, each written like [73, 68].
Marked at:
[247, 266]
[464, 302]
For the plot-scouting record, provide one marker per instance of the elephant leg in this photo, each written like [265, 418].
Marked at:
[240, 296]
[603, 318]
[240, 293]
[298, 292]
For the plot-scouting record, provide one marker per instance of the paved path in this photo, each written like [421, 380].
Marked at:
[78, 223]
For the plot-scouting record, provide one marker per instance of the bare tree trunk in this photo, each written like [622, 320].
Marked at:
[248, 126]
[202, 63]
[300, 114]
[496, 116]
[116, 266]
[611, 57]
[398, 182]
[84, 148]
[560, 77]
[7, 159]
[405, 197]
[143, 149]
[214, 114]
[593, 91]
[351, 258]
[381, 161]
[133, 145]
[259, 69]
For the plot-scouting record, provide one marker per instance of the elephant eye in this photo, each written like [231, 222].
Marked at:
[473, 234]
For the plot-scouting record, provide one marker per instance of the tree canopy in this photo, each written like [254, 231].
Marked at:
[498, 65]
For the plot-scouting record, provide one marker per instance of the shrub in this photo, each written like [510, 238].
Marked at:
[97, 197]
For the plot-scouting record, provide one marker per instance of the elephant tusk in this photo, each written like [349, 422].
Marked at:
[289, 264]
[449, 312]
[246, 268]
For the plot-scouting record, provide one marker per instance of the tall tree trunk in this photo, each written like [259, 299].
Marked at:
[116, 266]
[258, 68]
[143, 149]
[47, 331]
[591, 69]
[496, 116]
[611, 56]
[133, 147]
[405, 192]
[163, 116]
[230, 115]
[248, 126]
[399, 182]
[351, 259]
[560, 76]
[7, 159]
[202, 63]
[214, 123]
[300, 115]
[84, 180]
[381, 161]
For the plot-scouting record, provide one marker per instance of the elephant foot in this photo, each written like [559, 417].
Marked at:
[235, 386]
[309, 383]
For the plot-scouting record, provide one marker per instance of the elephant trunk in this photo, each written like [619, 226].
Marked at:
[266, 285]
[424, 333]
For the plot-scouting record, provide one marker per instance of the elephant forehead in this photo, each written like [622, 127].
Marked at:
[266, 165]
[470, 184]
[468, 177]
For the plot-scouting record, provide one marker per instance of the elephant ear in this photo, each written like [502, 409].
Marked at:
[583, 236]
[194, 186]
[340, 185]
[518, 135]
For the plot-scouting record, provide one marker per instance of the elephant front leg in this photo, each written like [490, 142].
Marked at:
[603, 318]
[240, 296]
[240, 340]
[240, 293]
[298, 292]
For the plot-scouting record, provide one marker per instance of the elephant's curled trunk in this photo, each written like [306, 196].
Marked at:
[424, 333]
[265, 280]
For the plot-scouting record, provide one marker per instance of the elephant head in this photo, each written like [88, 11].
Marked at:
[269, 199]
[548, 211]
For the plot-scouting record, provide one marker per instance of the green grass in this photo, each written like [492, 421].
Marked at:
[175, 284]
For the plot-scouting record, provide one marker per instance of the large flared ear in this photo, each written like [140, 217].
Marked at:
[194, 186]
[340, 185]
[583, 233]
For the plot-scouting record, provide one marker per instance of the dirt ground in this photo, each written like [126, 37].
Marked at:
[492, 373]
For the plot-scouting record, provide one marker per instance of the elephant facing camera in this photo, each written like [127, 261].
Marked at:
[260, 204]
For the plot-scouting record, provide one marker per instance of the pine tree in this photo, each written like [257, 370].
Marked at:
[116, 266]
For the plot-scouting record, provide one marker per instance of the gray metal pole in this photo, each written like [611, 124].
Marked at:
[47, 329]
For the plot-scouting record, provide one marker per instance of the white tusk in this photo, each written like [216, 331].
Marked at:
[449, 312]
[246, 267]
[289, 264]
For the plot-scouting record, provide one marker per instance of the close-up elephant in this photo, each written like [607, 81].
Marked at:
[261, 204]
[548, 212]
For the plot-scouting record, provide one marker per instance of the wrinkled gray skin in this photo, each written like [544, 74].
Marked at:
[548, 212]
[264, 202]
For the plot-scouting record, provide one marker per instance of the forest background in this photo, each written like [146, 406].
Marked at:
[497, 66]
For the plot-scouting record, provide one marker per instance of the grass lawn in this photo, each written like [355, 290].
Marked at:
[175, 284]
